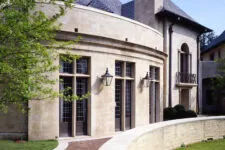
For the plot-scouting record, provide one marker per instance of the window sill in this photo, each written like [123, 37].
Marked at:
[187, 85]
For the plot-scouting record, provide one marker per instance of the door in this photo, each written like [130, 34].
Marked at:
[118, 108]
[65, 110]
[185, 98]
[128, 102]
[81, 107]
[152, 102]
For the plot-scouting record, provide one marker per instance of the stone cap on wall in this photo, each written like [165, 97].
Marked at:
[126, 140]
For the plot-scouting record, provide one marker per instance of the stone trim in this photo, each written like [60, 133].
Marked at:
[187, 85]
[167, 134]
[110, 43]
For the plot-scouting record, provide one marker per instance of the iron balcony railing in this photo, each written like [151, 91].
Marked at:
[186, 78]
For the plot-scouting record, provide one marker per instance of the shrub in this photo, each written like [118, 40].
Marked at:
[179, 108]
[181, 113]
[190, 114]
[177, 112]
[169, 113]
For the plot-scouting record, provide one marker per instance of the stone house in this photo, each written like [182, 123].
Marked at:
[143, 38]
[209, 70]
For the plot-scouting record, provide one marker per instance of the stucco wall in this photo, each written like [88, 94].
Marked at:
[43, 121]
[103, 42]
[168, 135]
[206, 56]
[13, 124]
[208, 69]
[180, 36]
[102, 53]
[145, 11]
[100, 23]
[103, 98]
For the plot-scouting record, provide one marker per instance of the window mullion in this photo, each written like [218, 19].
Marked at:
[123, 105]
[74, 109]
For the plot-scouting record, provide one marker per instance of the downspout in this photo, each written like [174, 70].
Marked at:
[198, 63]
[170, 64]
[165, 80]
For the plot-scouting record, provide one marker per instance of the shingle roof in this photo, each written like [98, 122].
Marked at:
[217, 41]
[170, 10]
[113, 6]
[173, 12]
[128, 10]
[83, 2]
[170, 6]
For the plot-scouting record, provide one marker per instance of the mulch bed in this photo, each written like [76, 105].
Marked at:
[87, 145]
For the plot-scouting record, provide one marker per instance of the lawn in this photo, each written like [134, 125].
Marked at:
[213, 145]
[31, 145]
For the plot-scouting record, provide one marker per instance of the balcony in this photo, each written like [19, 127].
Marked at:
[186, 79]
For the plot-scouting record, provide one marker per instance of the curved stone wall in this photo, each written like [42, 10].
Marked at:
[168, 135]
[95, 22]
[103, 43]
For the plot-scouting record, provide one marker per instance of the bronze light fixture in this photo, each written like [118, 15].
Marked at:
[107, 78]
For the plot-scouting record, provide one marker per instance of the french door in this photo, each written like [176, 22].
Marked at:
[128, 104]
[81, 107]
[118, 108]
[65, 124]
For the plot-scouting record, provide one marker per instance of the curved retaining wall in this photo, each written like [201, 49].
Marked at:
[168, 135]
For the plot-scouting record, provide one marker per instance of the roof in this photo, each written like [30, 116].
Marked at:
[128, 10]
[169, 10]
[113, 6]
[216, 42]
[173, 12]
[170, 6]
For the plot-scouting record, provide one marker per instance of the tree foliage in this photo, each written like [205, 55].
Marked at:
[25, 60]
[206, 39]
[219, 81]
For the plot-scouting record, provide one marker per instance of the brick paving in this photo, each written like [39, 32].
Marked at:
[87, 145]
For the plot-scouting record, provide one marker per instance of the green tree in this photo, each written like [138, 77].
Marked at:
[219, 81]
[27, 40]
[206, 39]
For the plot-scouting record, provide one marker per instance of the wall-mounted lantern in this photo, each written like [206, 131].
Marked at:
[146, 80]
[107, 78]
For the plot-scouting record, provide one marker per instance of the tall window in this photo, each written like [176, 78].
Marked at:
[154, 94]
[219, 54]
[66, 107]
[118, 108]
[185, 59]
[124, 80]
[75, 75]
[212, 57]
[184, 74]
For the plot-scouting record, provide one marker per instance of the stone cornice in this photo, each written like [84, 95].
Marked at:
[111, 43]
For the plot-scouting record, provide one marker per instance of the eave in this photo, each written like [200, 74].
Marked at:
[184, 21]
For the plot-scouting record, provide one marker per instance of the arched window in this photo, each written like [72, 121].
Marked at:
[185, 59]
[184, 74]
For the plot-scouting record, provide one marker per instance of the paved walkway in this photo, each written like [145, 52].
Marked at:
[81, 143]
[87, 145]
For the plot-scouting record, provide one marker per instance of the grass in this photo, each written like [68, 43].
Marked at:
[30, 145]
[212, 145]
